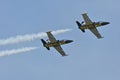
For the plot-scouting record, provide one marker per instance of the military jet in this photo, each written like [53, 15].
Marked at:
[55, 43]
[92, 26]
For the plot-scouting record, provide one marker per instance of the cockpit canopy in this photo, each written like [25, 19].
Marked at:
[64, 40]
[99, 22]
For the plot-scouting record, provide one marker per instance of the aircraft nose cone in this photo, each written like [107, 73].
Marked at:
[69, 41]
[105, 23]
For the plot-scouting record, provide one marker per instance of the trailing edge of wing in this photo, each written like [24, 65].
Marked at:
[96, 33]
[60, 50]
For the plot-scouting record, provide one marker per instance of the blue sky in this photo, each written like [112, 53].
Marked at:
[89, 58]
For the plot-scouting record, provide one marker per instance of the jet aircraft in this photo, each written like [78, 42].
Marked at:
[92, 26]
[55, 43]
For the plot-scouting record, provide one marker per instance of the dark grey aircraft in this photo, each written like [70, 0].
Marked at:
[91, 25]
[55, 43]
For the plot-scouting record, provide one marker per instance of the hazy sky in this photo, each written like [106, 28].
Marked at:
[89, 58]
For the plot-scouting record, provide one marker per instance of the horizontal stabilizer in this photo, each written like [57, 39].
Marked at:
[44, 44]
[79, 26]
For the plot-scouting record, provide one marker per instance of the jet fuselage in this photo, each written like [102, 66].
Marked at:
[58, 42]
[93, 25]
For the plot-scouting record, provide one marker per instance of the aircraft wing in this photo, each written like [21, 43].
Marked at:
[60, 50]
[51, 37]
[96, 33]
[86, 18]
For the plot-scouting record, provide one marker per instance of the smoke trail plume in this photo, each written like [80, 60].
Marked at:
[29, 37]
[16, 51]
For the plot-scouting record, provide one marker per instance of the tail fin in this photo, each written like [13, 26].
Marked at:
[79, 26]
[44, 44]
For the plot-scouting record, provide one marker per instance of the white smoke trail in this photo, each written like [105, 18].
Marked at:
[16, 51]
[29, 37]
